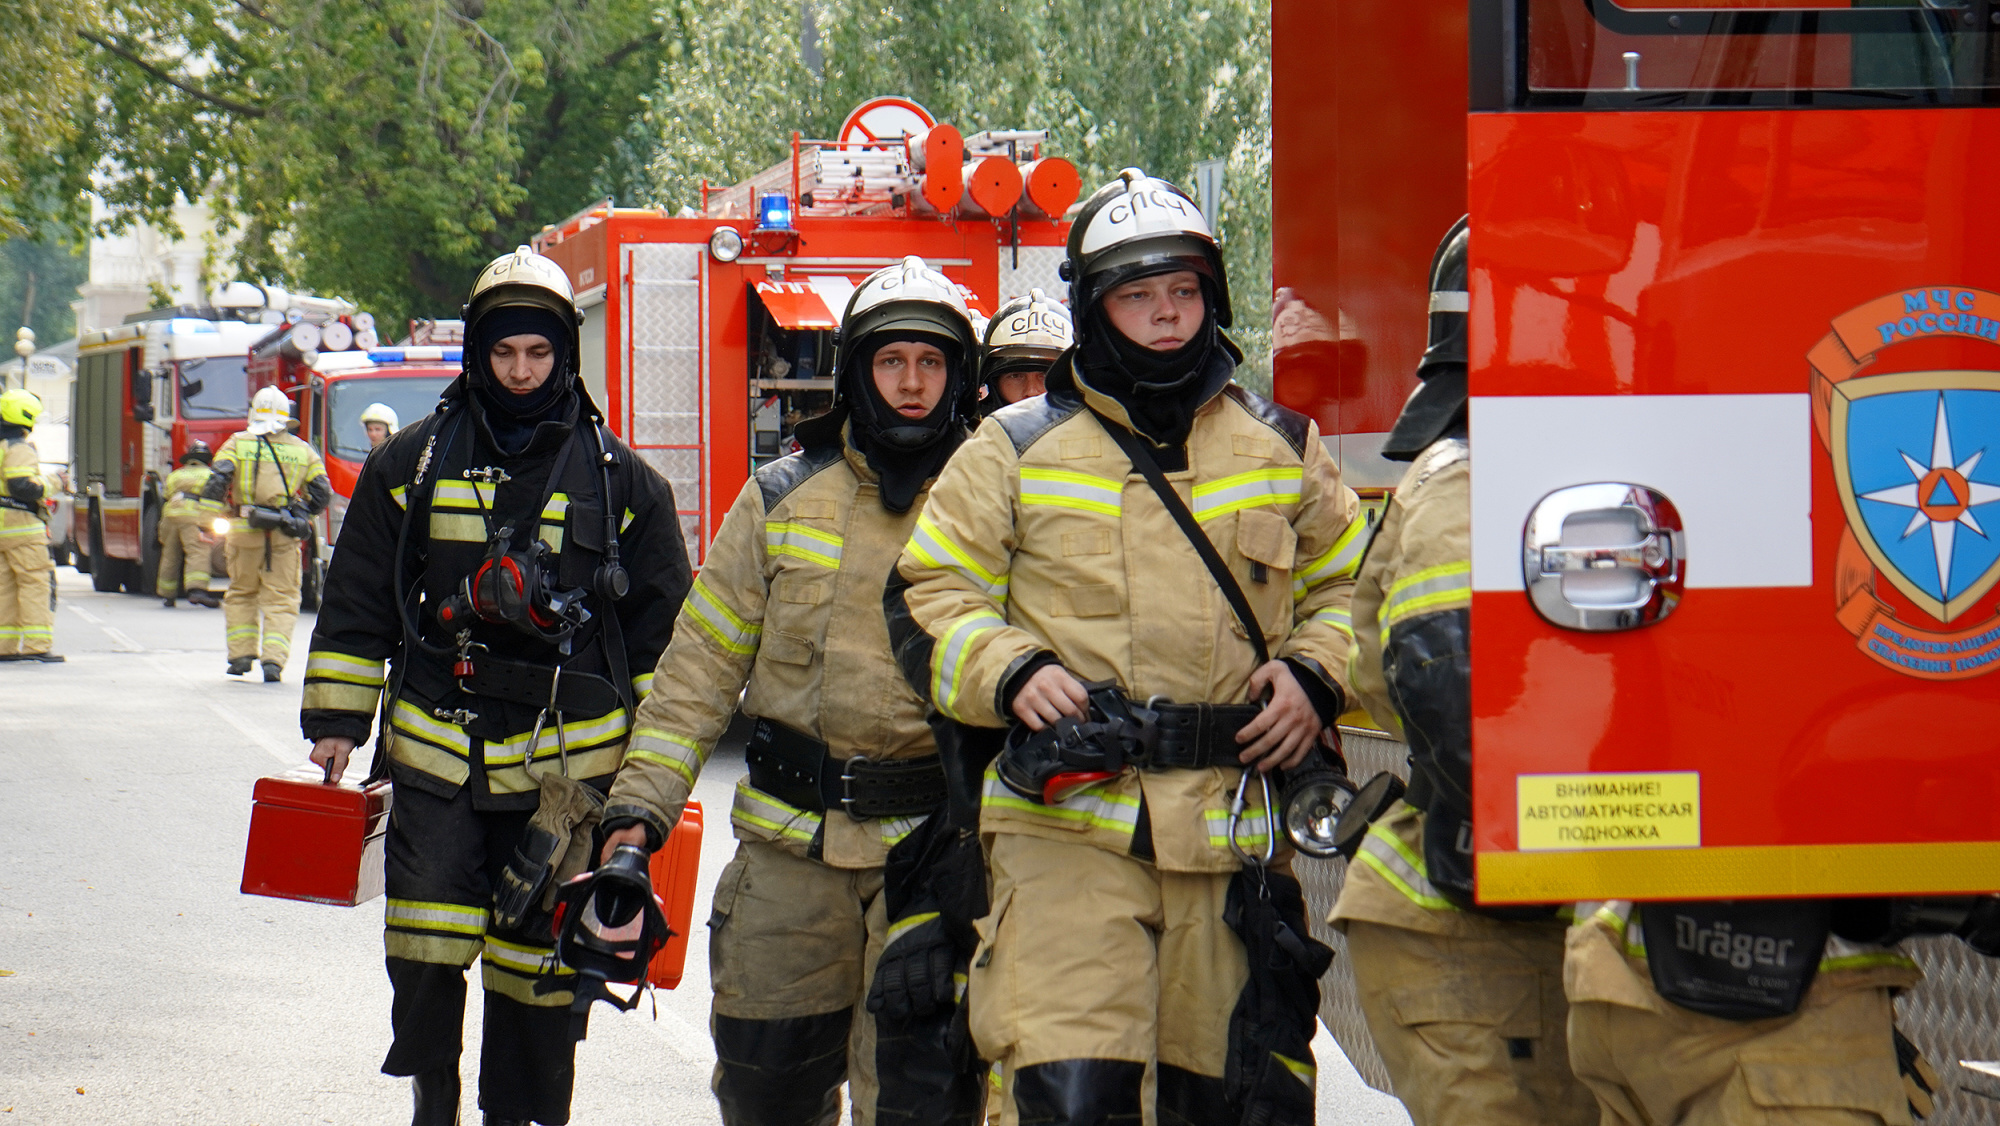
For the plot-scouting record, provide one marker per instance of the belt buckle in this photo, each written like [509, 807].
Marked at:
[847, 780]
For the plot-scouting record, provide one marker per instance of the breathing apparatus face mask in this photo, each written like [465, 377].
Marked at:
[516, 588]
[608, 925]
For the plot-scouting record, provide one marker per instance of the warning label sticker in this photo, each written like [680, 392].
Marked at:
[1578, 811]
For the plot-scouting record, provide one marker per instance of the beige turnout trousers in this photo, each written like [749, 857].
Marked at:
[183, 557]
[262, 605]
[792, 938]
[27, 625]
[1087, 954]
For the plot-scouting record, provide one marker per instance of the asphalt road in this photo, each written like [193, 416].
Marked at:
[138, 985]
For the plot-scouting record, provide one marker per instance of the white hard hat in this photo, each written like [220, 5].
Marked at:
[1034, 327]
[269, 411]
[1138, 226]
[380, 412]
[523, 278]
[909, 297]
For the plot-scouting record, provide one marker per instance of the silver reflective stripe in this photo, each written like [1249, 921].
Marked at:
[1090, 806]
[1387, 855]
[1451, 301]
[1062, 488]
[1248, 490]
[951, 653]
[755, 809]
[802, 542]
[523, 959]
[930, 545]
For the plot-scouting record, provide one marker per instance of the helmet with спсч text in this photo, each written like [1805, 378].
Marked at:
[20, 407]
[1029, 331]
[1139, 226]
[909, 299]
[529, 279]
[269, 411]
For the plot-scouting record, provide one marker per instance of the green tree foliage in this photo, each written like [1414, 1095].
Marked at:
[1151, 83]
[46, 90]
[38, 279]
[378, 149]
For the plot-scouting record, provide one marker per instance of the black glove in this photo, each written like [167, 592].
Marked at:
[914, 977]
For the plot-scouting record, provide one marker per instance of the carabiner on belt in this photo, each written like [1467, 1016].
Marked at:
[1236, 808]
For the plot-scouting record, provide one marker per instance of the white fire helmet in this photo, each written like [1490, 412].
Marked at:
[1035, 329]
[382, 413]
[909, 297]
[1135, 227]
[523, 278]
[269, 411]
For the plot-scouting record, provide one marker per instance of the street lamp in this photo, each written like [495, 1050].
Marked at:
[24, 346]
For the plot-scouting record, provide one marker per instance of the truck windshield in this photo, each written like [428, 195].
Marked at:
[224, 390]
[1650, 54]
[410, 396]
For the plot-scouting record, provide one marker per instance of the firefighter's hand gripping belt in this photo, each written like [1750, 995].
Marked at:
[1044, 765]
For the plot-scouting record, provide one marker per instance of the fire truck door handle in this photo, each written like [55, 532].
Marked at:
[1604, 556]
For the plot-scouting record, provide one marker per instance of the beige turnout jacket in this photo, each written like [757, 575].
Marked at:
[1041, 536]
[787, 611]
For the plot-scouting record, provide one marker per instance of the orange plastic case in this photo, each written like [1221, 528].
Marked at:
[314, 841]
[673, 873]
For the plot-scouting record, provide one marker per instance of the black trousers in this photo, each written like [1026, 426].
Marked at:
[444, 859]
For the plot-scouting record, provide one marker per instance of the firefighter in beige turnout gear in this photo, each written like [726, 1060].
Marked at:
[278, 481]
[27, 624]
[789, 606]
[184, 529]
[1106, 975]
[1466, 1007]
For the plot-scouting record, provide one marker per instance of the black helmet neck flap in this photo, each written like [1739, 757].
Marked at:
[907, 302]
[1437, 406]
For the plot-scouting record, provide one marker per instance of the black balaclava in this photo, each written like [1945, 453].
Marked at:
[905, 454]
[1159, 390]
[512, 418]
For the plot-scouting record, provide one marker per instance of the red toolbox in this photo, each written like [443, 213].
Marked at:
[314, 840]
[673, 871]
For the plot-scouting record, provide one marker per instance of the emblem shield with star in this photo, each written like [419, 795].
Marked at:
[1916, 457]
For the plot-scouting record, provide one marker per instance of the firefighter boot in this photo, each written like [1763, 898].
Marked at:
[493, 1121]
[437, 1097]
[240, 665]
[169, 603]
[273, 672]
[204, 597]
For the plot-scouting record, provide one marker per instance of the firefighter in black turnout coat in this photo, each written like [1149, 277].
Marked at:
[506, 579]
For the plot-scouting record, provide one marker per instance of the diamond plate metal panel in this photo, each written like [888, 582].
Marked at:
[682, 469]
[1954, 1015]
[664, 392]
[1339, 1006]
[666, 261]
[666, 395]
[1038, 268]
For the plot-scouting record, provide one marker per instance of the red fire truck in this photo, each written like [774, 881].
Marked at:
[1735, 374]
[144, 391]
[167, 378]
[330, 388]
[708, 336]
